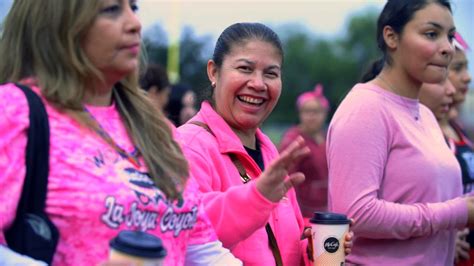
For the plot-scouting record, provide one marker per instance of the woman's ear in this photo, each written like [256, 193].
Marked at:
[390, 37]
[212, 72]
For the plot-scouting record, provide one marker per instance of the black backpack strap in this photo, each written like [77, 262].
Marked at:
[32, 232]
[33, 196]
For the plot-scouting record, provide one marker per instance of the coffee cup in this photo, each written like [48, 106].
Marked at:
[137, 248]
[328, 232]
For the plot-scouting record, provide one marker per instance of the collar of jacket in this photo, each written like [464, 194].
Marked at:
[227, 140]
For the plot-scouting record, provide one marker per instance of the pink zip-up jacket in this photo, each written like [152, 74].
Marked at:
[238, 211]
[93, 192]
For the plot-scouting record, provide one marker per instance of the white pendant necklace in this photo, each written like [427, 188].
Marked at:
[412, 112]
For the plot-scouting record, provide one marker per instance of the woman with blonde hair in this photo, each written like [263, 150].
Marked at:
[113, 162]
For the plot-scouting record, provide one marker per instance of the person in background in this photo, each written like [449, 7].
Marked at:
[189, 107]
[155, 82]
[182, 104]
[389, 165]
[113, 162]
[459, 75]
[248, 193]
[312, 108]
[459, 141]
[438, 97]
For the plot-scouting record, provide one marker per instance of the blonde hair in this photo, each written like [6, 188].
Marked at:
[42, 39]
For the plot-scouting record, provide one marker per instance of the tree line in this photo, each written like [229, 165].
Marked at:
[336, 62]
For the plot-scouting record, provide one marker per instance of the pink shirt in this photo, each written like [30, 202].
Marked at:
[312, 194]
[93, 193]
[238, 211]
[396, 177]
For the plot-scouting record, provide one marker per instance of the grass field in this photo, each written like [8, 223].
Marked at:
[275, 131]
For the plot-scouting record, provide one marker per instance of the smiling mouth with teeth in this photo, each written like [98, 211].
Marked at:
[250, 100]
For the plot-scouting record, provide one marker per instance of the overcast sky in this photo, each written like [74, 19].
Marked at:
[211, 17]
[323, 17]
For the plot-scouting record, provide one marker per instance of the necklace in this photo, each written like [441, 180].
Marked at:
[132, 158]
[413, 113]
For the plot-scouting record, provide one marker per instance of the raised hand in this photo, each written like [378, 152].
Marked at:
[275, 182]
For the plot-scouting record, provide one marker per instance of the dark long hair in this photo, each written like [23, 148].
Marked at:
[236, 34]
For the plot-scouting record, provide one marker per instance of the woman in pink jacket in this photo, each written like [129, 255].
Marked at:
[226, 149]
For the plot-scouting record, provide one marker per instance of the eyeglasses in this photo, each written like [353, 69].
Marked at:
[315, 111]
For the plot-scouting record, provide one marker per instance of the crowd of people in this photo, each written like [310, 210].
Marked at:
[128, 150]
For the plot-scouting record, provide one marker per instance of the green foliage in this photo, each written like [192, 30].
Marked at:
[156, 45]
[193, 50]
[193, 59]
[337, 63]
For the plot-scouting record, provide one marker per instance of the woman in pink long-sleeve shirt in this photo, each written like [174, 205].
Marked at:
[389, 165]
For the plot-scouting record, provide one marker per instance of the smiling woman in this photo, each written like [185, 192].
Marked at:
[248, 191]
[248, 91]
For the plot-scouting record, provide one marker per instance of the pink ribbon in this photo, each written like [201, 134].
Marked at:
[460, 43]
[315, 94]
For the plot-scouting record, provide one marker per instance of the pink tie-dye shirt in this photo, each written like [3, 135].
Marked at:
[93, 193]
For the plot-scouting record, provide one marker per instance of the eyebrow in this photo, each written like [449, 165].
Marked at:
[439, 26]
[274, 67]
[253, 63]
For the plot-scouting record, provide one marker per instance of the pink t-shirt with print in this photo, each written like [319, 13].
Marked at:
[93, 192]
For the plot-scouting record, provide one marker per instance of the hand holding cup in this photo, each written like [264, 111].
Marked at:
[330, 232]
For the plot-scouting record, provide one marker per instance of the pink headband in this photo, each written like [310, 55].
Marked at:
[316, 94]
[460, 43]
